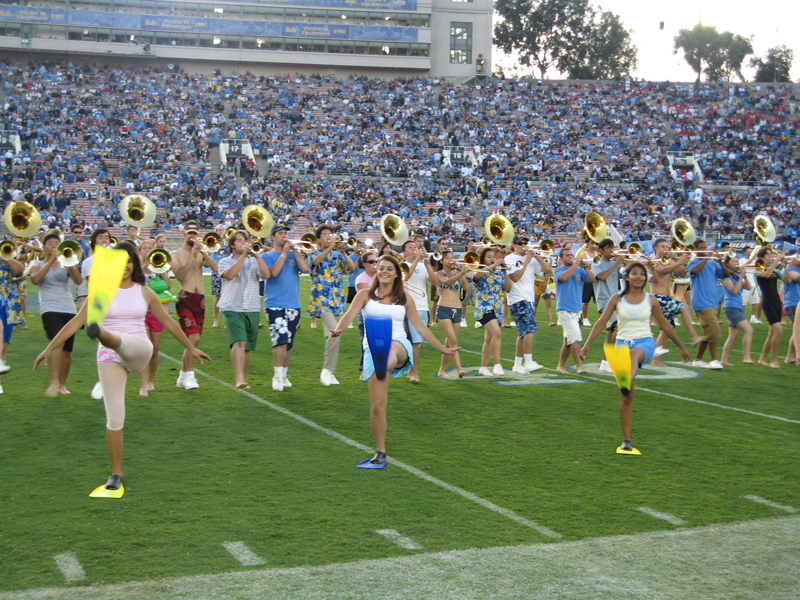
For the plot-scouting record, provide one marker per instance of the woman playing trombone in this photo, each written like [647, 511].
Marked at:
[449, 312]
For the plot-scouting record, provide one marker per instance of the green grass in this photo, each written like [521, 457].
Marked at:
[210, 466]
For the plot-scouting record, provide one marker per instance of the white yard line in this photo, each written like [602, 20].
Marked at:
[451, 488]
[70, 567]
[399, 539]
[243, 554]
[672, 519]
[643, 389]
[771, 504]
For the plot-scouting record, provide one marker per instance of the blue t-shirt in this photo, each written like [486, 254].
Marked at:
[733, 300]
[354, 275]
[704, 284]
[282, 290]
[791, 291]
[569, 293]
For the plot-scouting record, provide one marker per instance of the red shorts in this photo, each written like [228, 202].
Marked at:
[191, 309]
[152, 323]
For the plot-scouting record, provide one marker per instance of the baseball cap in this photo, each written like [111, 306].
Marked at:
[278, 227]
[520, 239]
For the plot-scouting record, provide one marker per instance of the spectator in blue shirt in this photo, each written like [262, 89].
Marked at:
[570, 277]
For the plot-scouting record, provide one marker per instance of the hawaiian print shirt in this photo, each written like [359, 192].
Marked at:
[328, 292]
[490, 294]
[9, 295]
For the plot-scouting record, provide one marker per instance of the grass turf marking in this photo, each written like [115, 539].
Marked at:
[663, 516]
[770, 503]
[750, 560]
[450, 488]
[400, 540]
[684, 398]
[243, 554]
[68, 564]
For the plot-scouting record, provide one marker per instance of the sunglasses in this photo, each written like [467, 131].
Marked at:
[370, 262]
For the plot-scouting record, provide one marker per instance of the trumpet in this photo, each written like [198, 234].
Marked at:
[212, 242]
[257, 248]
[159, 261]
[8, 250]
[138, 210]
[69, 253]
[229, 231]
[516, 265]
[435, 256]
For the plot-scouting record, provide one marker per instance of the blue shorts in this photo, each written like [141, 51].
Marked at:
[735, 316]
[283, 324]
[369, 366]
[647, 344]
[413, 334]
[449, 314]
[524, 316]
[670, 307]
[8, 328]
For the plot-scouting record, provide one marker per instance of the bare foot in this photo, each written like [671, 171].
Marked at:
[143, 392]
[64, 391]
[761, 361]
[443, 375]
[748, 362]
[243, 385]
[583, 372]
[215, 325]
[657, 364]
[775, 365]
[150, 387]
[52, 390]
[414, 379]
[727, 364]
[562, 370]
[788, 361]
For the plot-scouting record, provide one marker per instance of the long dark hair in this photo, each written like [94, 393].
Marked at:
[398, 289]
[440, 262]
[483, 254]
[133, 254]
[627, 274]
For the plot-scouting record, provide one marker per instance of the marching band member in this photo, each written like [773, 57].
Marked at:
[633, 308]
[240, 302]
[187, 265]
[448, 311]
[386, 297]
[588, 288]
[441, 246]
[10, 307]
[770, 305]
[367, 264]
[79, 291]
[420, 272]
[468, 294]
[282, 301]
[703, 272]
[570, 278]
[791, 298]
[521, 300]
[751, 297]
[123, 348]
[153, 327]
[328, 294]
[491, 281]
[607, 274]
[57, 309]
[216, 280]
[734, 311]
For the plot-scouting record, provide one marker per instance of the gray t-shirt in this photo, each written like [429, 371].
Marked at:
[54, 294]
[603, 290]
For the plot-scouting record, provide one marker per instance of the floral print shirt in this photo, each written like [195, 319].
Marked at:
[328, 292]
[490, 294]
[9, 295]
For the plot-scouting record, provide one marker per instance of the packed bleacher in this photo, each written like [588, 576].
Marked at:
[348, 151]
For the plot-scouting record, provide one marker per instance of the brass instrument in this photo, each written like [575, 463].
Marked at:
[763, 230]
[394, 230]
[499, 230]
[471, 260]
[229, 231]
[22, 219]
[138, 210]
[112, 241]
[8, 250]
[257, 221]
[69, 253]
[516, 265]
[406, 273]
[212, 242]
[256, 248]
[435, 256]
[159, 261]
[595, 227]
[683, 231]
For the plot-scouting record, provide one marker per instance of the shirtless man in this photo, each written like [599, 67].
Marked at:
[187, 264]
[659, 287]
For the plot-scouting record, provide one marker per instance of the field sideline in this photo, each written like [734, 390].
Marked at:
[505, 488]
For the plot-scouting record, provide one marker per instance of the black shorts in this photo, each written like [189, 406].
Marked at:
[588, 292]
[54, 322]
[261, 284]
[351, 293]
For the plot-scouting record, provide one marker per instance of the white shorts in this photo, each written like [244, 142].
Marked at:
[751, 296]
[571, 325]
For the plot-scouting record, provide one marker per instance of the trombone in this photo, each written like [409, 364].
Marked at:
[471, 260]
[406, 273]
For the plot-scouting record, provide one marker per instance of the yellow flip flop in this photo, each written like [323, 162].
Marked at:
[619, 359]
[104, 492]
[108, 267]
[632, 451]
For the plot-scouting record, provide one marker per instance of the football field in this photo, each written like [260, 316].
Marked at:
[503, 487]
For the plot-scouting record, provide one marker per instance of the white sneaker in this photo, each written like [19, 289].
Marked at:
[513, 323]
[326, 378]
[605, 367]
[661, 351]
[677, 323]
[716, 365]
[587, 323]
[178, 383]
[755, 321]
[97, 391]
[520, 370]
[485, 372]
[350, 326]
[498, 370]
[478, 324]
[699, 364]
[532, 366]
[190, 383]
[286, 383]
[4, 368]
[464, 323]
[277, 384]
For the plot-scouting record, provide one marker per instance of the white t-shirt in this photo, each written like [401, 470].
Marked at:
[751, 277]
[419, 278]
[86, 267]
[524, 289]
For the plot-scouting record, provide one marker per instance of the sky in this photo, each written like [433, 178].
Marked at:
[770, 22]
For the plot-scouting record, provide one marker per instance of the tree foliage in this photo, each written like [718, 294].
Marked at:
[712, 53]
[560, 34]
[775, 66]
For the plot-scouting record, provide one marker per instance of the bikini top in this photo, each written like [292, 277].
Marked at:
[453, 286]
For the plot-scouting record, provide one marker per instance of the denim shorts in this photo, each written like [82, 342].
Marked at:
[524, 316]
[449, 314]
[413, 334]
[735, 316]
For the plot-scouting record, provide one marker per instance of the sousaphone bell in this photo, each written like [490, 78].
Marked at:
[22, 219]
[499, 230]
[257, 221]
[137, 210]
[394, 230]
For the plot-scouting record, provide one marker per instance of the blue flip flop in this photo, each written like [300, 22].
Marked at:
[369, 464]
[379, 338]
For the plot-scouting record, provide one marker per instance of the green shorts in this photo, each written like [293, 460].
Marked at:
[242, 327]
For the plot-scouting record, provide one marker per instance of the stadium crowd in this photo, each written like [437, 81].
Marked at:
[345, 152]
